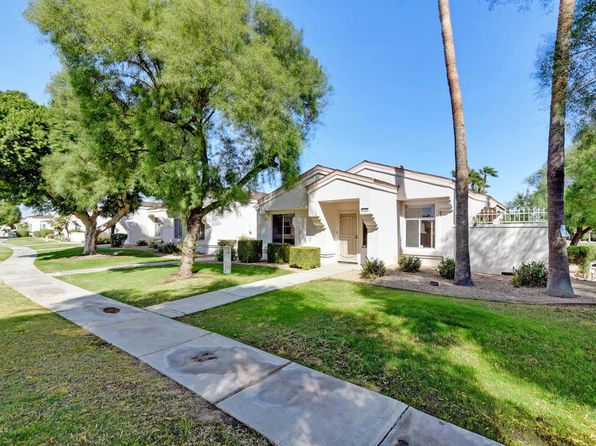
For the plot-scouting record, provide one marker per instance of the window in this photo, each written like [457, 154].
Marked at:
[420, 226]
[283, 229]
[364, 235]
[177, 228]
[202, 231]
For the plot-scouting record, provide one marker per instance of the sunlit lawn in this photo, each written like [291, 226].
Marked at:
[152, 285]
[519, 374]
[60, 385]
[5, 253]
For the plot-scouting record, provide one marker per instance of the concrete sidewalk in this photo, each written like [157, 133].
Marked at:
[287, 403]
[212, 299]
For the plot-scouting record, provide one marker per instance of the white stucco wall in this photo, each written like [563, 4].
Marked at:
[231, 225]
[498, 248]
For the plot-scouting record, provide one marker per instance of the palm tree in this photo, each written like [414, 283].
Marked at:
[559, 282]
[486, 172]
[463, 275]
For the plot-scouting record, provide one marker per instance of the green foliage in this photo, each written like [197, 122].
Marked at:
[168, 248]
[216, 98]
[44, 233]
[532, 274]
[250, 251]
[581, 254]
[142, 242]
[10, 214]
[373, 268]
[22, 230]
[305, 257]
[446, 268]
[409, 264]
[278, 252]
[117, 240]
[219, 253]
[24, 141]
[104, 239]
[478, 179]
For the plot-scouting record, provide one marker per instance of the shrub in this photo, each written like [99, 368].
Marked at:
[43, 233]
[22, 230]
[104, 239]
[219, 252]
[142, 242]
[153, 244]
[533, 274]
[305, 257]
[409, 264]
[278, 252]
[118, 240]
[168, 248]
[579, 255]
[250, 250]
[446, 268]
[373, 268]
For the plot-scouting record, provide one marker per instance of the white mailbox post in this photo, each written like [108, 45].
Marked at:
[227, 260]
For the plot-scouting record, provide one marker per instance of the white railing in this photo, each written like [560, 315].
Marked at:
[511, 216]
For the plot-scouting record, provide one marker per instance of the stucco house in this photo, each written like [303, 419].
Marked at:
[37, 222]
[153, 222]
[370, 210]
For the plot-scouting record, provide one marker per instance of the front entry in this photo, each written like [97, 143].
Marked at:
[348, 238]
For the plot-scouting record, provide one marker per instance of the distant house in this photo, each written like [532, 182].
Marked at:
[153, 222]
[37, 222]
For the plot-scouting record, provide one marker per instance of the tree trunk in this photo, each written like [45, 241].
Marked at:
[187, 259]
[463, 275]
[579, 233]
[91, 234]
[559, 282]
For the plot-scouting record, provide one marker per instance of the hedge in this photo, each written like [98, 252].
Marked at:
[219, 253]
[250, 250]
[305, 257]
[117, 240]
[43, 233]
[278, 252]
[579, 255]
[22, 232]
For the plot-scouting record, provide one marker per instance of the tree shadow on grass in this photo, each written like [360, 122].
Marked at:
[402, 348]
[78, 251]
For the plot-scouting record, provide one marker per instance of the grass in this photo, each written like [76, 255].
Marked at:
[53, 256]
[5, 253]
[149, 286]
[518, 374]
[61, 385]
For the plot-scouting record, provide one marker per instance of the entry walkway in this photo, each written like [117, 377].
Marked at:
[212, 299]
[286, 402]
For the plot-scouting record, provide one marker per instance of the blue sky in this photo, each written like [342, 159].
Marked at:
[390, 101]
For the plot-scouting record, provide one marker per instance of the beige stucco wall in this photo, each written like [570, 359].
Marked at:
[498, 248]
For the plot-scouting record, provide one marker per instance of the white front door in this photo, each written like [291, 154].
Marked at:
[348, 238]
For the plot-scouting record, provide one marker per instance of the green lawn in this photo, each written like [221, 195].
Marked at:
[519, 374]
[148, 286]
[61, 385]
[5, 253]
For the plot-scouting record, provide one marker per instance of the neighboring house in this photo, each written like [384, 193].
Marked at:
[152, 222]
[370, 210]
[38, 222]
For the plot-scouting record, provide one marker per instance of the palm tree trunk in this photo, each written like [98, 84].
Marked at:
[559, 282]
[187, 259]
[463, 275]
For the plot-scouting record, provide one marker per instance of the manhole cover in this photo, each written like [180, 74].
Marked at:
[111, 310]
[204, 356]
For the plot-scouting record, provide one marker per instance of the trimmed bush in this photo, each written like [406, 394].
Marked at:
[219, 252]
[409, 264]
[104, 239]
[168, 248]
[142, 242]
[533, 274]
[373, 268]
[22, 230]
[118, 240]
[579, 255]
[43, 233]
[250, 250]
[278, 252]
[446, 268]
[305, 257]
